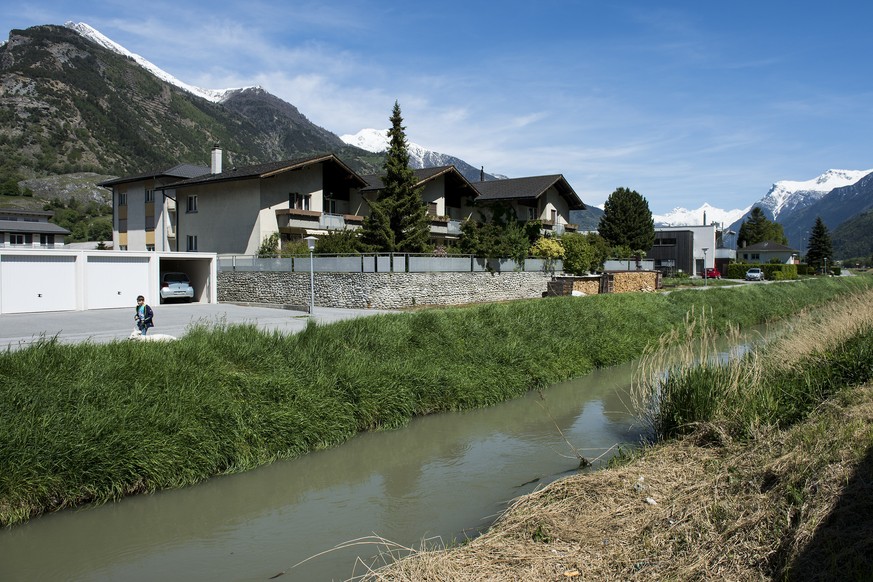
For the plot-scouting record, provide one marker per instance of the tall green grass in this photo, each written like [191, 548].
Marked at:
[774, 386]
[91, 423]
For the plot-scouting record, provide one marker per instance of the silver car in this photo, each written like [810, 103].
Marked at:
[176, 286]
[754, 274]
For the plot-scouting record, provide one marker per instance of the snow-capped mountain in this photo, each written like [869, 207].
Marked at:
[376, 140]
[92, 34]
[788, 195]
[706, 214]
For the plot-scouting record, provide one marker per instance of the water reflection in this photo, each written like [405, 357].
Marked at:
[445, 475]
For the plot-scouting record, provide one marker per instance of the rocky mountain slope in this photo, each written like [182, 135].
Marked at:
[68, 104]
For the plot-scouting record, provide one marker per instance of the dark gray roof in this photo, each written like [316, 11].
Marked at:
[266, 170]
[527, 188]
[25, 226]
[422, 175]
[177, 171]
[22, 212]
[768, 245]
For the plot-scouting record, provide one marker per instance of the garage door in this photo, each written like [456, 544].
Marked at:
[113, 281]
[37, 283]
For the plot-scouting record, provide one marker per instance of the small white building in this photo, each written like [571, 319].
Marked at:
[766, 251]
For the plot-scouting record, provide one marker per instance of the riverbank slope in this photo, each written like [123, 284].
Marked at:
[737, 497]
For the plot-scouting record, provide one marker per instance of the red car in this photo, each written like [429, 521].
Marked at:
[712, 273]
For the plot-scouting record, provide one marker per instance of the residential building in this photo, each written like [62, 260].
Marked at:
[448, 195]
[233, 211]
[766, 251]
[548, 199]
[687, 249]
[199, 209]
[30, 229]
[143, 213]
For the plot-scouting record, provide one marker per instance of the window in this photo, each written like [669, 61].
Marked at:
[531, 213]
[432, 208]
[192, 203]
[149, 222]
[122, 225]
[331, 206]
[149, 195]
[298, 201]
[122, 198]
[192, 243]
[150, 247]
[16, 239]
[665, 242]
[47, 240]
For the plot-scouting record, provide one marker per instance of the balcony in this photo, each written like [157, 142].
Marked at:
[296, 221]
[558, 229]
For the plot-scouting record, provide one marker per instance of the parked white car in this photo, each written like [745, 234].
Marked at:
[754, 274]
[176, 286]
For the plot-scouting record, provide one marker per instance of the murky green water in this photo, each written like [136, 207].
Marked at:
[442, 477]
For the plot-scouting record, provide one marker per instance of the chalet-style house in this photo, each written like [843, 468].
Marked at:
[233, 211]
[30, 229]
[446, 192]
[548, 199]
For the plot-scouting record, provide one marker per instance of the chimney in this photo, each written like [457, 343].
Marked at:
[482, 174]
[704, 218]
[216, 159]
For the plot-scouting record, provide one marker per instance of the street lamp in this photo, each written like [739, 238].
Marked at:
[826, 267]
[704, 265]
[310, 242]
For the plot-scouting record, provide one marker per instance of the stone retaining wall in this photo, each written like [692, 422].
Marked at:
[378, 290]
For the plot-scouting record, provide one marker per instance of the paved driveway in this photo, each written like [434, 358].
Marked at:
[105, 325]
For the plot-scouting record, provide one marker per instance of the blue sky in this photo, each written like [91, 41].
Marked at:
[685, 102]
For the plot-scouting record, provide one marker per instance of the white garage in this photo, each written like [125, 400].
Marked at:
[37, 282]
[67, 280]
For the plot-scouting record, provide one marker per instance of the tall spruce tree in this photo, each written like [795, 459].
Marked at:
[398, 219]
[627, 221]
[820, 247]
[758, 228]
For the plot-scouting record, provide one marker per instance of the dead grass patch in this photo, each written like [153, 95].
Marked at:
[732, 512]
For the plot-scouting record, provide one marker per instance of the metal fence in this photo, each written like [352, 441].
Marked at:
[385, 263]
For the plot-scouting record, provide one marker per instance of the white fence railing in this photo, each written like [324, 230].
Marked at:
[384, 263]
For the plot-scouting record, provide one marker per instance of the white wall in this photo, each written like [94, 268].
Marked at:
[67, 280]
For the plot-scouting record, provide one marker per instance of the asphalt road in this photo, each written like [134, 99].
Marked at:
[106, 325]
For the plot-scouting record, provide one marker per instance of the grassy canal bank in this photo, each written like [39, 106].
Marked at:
[763, 471]
[92, 423]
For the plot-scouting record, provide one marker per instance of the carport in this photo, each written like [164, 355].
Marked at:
[200, 271]
[38, 280]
